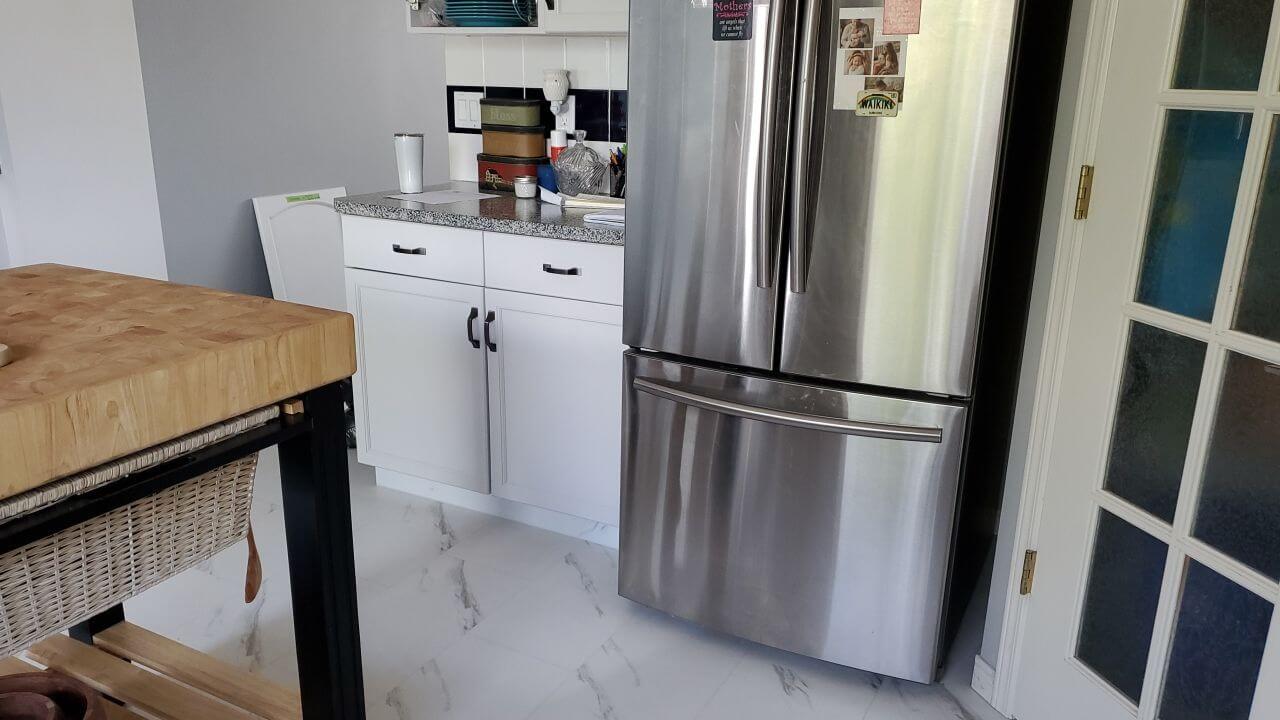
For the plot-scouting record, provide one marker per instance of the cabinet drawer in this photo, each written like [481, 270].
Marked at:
[405, 248]
[559, 268]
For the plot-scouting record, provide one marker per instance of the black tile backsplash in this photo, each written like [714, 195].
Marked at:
[618, 116]
[602, 113]
[450, 107]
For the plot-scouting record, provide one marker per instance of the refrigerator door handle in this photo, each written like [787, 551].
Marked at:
[767, 217]
[801, 222]
[883, 431]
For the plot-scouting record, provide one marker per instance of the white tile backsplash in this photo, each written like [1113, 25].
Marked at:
[588, 61]
[541, 53]
[618, 63]
[463, 148]
[503, 61]
[595, 63]
[465, 60]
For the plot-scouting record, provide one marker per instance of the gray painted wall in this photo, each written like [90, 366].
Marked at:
[249, 98]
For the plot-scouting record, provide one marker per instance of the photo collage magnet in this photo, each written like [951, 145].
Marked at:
[867, 60]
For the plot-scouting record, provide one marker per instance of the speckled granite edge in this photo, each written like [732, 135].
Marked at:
[598, 234]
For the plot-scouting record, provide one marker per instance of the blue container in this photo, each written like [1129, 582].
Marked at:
[547, 178]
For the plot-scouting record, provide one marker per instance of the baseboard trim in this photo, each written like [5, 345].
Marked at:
[570, 525]
[984, 679]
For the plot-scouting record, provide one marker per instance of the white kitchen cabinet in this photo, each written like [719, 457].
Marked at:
[555, 403]
[421, 396]
[583, 16]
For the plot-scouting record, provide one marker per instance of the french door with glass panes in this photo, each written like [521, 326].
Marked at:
[1159, 541]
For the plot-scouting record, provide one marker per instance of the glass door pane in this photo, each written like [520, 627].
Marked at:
[1257, 313]
[1197, 181]
[1153, 420]
[1120, 603]
[1222, 44]
[1217, 649]
[1239, 508]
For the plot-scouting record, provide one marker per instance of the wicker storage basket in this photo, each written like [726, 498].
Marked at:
[56, 582]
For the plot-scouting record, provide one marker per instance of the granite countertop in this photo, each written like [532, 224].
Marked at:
[503, 214]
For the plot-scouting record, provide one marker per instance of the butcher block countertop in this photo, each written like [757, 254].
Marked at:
[105, 365]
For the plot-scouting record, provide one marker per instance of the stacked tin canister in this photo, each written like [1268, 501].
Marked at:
[515, 143]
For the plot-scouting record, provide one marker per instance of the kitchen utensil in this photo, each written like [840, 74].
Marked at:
[514, 142]
[579, 169]
[409, 161]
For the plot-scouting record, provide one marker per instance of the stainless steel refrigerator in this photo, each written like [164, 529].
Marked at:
[803, 287]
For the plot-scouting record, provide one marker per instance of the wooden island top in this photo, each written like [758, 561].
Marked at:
[105, 365]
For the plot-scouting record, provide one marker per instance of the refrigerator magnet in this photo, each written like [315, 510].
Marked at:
[877, 103]
[902, 17]
[868, 62]
[731, 20]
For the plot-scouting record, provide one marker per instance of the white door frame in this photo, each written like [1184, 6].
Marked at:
[1085, 125]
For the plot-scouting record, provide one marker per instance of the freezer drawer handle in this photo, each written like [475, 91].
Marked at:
[884, 431]
[548, 268]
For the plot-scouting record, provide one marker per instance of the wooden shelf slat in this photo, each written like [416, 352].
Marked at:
[150, 693]
[14, 666]
[194, 668]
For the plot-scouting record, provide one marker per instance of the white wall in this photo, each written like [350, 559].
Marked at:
[78, 187]
[263, 97]
[7, 214]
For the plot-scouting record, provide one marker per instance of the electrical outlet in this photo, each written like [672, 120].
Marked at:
[466, 110]
[568, 117]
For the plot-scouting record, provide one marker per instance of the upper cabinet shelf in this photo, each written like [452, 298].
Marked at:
[555, 17]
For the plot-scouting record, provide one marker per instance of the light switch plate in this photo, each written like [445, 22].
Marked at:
[568, 117]
[466, 110]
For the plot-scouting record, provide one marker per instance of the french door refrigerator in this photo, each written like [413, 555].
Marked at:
[803, 285]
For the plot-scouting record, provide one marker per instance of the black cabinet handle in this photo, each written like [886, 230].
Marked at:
[551, 4]
[561, 271]
[408, 251]
[471, 328]
[490, 319]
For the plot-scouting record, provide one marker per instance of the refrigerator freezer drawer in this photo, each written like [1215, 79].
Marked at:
[812, 520]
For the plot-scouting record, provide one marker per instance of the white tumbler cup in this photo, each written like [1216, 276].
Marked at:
[409, 161]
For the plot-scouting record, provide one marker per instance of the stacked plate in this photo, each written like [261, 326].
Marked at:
[490, 13]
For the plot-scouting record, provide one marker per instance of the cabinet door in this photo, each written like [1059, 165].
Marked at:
[583, 16]
[421, 405]
[555, 403]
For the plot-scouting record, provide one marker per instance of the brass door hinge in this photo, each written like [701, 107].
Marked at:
[1028, 572]
[1084, 192]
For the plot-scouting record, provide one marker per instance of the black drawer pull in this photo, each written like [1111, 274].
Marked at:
[408, 251]
[561, 271]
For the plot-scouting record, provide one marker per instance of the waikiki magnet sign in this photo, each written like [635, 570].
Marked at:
[877, 103]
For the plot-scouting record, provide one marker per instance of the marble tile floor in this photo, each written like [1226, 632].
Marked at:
[472, 617]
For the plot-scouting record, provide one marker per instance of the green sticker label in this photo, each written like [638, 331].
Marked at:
[302, 198]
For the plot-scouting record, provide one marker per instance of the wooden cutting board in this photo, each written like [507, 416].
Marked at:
[105, 365]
